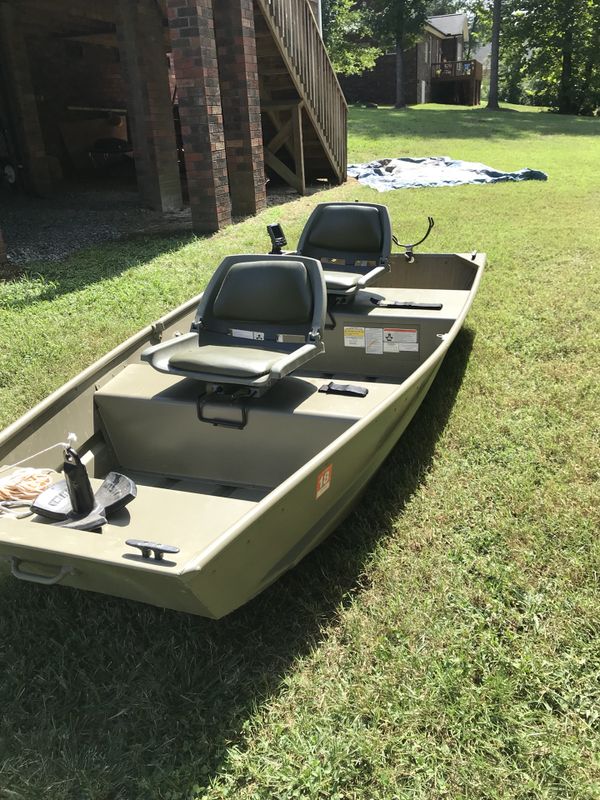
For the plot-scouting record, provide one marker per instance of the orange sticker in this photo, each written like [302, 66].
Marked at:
[324, 480]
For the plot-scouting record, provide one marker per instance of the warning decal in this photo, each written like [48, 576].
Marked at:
[398, 340]
[324, 481]
[354, 337]
[374, 341]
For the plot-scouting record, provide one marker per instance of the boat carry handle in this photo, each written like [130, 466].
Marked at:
[32, 577]
[232, 403]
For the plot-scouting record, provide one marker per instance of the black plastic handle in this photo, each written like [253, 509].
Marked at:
[152, 548]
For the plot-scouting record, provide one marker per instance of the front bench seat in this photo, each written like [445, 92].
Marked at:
[251, 307]
[353, 242]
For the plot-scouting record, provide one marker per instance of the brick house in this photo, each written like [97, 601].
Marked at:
[210, 97]
[435, 70]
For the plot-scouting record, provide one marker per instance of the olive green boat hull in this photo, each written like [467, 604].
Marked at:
[243, 506]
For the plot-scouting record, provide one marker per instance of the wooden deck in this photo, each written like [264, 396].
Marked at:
[456, 82]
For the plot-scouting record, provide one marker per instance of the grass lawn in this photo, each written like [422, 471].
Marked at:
[444, 642]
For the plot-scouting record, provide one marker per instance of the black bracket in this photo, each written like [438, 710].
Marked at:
[346, 389]
[277, 237]
[150, 549]
[409, 248]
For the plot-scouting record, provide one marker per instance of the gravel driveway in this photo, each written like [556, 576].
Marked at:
[50, 228]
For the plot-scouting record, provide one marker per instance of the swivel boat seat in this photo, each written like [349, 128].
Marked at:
[260, 318]
[352, 241]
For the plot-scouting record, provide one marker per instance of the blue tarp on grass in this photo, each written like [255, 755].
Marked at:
[412, 173]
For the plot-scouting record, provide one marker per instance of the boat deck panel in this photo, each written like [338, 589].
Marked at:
[190, 515]
[151, 421]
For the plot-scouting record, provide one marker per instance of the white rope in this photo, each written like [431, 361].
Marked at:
[71, 441]
[26, 483]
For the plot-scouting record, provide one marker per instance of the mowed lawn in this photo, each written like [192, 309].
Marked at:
[444, 642]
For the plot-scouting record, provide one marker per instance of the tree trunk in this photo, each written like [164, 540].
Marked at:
[566, 101]
[400, 94]
[493, 95]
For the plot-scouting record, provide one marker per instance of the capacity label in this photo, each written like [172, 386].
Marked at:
[324, 481]
[354, 337]
[398, 340]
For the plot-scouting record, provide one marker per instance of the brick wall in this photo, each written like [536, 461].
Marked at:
[144, 62]
[238, 71]
[67, 74]
[195, 60]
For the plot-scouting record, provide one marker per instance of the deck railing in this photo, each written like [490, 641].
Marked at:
[456, 70]
[295, 27]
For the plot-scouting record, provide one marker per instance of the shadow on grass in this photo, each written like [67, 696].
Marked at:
[112, 699]
[472, 123]
[47, 280]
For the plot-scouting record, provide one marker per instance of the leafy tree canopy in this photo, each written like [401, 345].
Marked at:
[348, 36]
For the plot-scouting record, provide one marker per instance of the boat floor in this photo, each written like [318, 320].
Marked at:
[189, 511]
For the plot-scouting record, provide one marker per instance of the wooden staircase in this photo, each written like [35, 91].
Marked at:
[304, 112]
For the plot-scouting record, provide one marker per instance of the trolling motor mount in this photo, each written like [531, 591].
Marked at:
[409, 248]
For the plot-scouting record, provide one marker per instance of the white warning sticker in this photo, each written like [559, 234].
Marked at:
[373, 341]
[399, 340]
[354, 337]
[241, 334]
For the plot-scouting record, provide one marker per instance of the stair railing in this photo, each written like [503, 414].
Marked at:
[305, 55]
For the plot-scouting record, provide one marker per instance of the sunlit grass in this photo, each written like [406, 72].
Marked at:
[444, 642]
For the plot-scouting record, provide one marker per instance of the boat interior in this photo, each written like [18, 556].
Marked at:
[285, 353]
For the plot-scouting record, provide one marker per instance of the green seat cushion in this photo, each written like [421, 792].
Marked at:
[225, 360]
[341, 280]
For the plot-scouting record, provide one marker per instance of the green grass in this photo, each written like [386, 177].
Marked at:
[444, 642]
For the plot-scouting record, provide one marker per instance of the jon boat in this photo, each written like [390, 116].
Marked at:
[250, 418]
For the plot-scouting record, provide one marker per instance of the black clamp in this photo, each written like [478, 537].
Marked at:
[152, 548]
[346, 389]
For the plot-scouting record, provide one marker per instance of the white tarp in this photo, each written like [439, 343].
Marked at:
[412, 173]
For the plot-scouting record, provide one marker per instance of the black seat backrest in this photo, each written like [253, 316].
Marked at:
[271, 294]
[357, 234]
[264, 291]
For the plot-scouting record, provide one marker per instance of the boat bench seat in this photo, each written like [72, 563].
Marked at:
[384, 341]
[151, 422]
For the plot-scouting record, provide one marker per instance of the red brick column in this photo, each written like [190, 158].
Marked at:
[40, 169]
[150, 113]
[238, 71]
[197, 76]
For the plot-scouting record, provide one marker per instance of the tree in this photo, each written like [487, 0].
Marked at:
[399, 22]
[493, 95]
[556, 44]
[347, 35]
